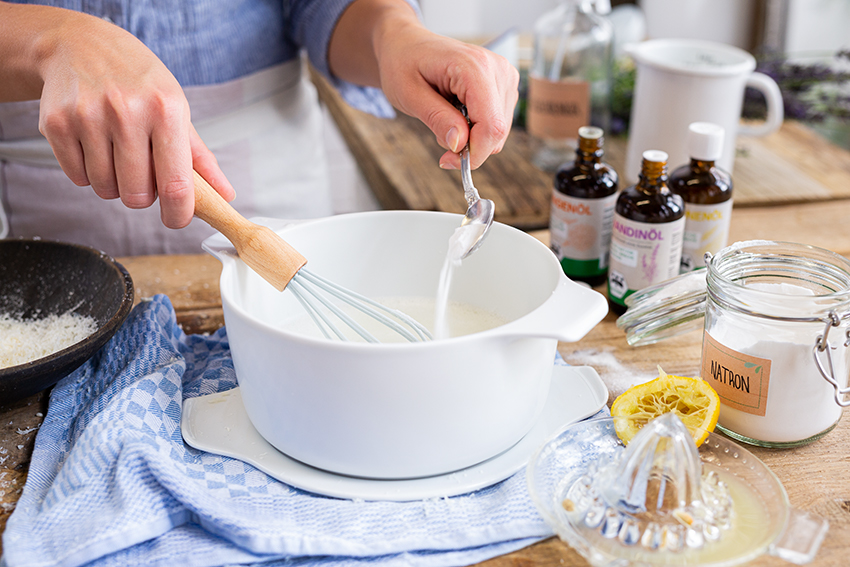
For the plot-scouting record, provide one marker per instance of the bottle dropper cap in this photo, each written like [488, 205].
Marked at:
[590, 132]
[590, 139]
[654, 164]
[656, 156]
[705, 141]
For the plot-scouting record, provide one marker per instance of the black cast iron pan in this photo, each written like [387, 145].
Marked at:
[39, 278]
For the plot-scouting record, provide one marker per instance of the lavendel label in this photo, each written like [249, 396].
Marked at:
[642, 254]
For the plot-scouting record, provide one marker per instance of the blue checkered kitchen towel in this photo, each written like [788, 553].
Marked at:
[112, 483]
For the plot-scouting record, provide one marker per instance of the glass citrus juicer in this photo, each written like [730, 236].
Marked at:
[661, 500]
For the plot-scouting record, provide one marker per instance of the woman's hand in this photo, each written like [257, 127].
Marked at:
[114, 115]
[419, 71]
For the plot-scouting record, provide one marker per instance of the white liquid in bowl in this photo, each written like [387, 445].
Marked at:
[460, 319]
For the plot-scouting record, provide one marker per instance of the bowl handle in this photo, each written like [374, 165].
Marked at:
[568, 315]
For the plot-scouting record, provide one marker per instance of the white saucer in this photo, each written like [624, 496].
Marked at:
[218, 424]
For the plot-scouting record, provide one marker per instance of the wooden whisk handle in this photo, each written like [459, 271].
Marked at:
[258, 246]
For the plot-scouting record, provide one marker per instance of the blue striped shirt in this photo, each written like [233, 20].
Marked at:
[204, 42]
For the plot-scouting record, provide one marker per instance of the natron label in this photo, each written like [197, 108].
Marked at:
[740, 380]
[557, 109]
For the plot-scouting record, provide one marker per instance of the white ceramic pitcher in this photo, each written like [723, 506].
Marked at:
[680, 81]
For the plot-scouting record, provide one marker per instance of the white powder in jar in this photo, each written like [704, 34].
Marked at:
[23, 341]
[800, 402]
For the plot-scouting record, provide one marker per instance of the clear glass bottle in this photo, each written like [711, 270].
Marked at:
[569, 80]
[707, 192]
[776, 318]
[649, 224]
[583, 199]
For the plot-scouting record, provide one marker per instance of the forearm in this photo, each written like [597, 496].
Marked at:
[355, 44]
[27, 35]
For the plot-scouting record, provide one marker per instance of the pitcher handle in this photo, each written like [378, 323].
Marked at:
[775, 109]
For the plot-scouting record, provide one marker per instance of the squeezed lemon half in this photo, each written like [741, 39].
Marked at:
[692, 399]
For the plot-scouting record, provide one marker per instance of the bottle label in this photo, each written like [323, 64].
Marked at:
[740, 380]
[706, 230]
[642, 254]
[580, 231]
[557, 109]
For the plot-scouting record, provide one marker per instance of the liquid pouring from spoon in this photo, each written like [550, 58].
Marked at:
[479, 216]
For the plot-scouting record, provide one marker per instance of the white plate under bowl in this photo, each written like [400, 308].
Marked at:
[217, 423]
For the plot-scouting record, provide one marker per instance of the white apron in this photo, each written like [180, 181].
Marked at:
[265, 130]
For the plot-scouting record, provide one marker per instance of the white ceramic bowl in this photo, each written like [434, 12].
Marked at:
[401, 410]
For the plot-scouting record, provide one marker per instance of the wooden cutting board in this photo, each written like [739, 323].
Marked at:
[399, 159]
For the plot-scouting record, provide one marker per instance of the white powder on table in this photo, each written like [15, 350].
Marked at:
[23, 341]
[616, 377]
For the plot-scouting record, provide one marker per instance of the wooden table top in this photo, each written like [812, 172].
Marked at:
[816, 476]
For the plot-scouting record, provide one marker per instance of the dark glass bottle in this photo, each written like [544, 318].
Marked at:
[583, 202]
[707, 192]
[646, 242]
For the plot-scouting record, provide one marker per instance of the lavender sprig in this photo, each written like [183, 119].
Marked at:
[812, 92]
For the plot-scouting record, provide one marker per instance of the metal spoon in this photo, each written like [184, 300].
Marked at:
[480, 213]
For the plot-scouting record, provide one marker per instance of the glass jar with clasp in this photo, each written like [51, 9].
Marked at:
[776, 336]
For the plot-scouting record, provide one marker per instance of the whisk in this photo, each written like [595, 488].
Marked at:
[265, 252]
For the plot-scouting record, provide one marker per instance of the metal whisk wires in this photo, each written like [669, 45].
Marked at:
[265, 252]
[313, 291]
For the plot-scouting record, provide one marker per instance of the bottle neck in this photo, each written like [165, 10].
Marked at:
[589, 150]
[588, 157]
[700, 165]
[653, 177]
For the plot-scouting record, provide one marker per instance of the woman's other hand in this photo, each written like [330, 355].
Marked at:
[419, 71]
[114, 115]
